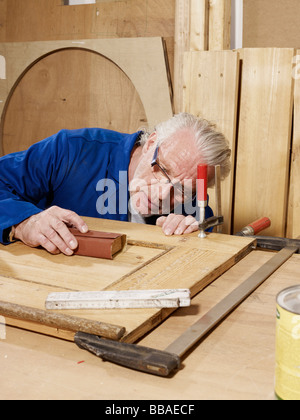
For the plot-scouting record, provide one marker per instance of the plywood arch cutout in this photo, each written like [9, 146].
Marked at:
[69, 88]
[121, 84]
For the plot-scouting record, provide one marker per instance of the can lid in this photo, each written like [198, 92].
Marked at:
[289, 299]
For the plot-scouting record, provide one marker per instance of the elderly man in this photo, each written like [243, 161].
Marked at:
[101, 173]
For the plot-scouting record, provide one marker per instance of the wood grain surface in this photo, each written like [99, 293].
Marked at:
[210, 91]
[236, 361]
[158, 262]
[264, 138]
[107, 83]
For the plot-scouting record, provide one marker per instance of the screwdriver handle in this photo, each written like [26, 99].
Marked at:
[255, 227]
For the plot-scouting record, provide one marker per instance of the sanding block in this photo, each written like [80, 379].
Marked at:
[98, 244]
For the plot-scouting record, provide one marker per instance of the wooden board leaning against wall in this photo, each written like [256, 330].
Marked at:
[264, 137]
[263, 102]
[210, 91]
[53, 85]
[200, 25]
[52, 21]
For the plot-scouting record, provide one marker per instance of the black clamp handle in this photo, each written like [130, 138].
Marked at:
[135, 357]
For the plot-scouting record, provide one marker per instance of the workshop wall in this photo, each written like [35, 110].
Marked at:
[271, 23]
[54, 85]
[60, 85]
[45, 20]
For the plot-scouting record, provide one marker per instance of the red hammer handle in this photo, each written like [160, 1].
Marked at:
[202, 184]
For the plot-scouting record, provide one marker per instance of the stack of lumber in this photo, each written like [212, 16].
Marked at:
[249, 94]
[252, 95]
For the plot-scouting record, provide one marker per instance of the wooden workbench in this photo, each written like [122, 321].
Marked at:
[236, 361]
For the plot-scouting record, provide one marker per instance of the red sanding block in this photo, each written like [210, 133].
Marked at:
[98, 244]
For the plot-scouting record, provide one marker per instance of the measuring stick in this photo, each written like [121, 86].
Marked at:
[123, 299]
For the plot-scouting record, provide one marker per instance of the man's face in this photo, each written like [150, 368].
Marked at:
[150, 190]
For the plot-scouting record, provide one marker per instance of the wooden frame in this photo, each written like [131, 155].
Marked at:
[151, 261]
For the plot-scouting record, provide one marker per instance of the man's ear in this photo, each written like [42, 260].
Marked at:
[151, 140]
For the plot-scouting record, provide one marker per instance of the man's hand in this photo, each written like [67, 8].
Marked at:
[49, 230]
[176, 224]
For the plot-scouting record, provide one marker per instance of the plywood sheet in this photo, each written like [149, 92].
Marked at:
[211, 91]
[271, 23]
[141, 59]
[151, 261]
[219, 24]
[293, 222]
[105, 19]
[264, 138]
[70, 89]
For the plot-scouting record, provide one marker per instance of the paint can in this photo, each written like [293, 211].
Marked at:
[287, 376]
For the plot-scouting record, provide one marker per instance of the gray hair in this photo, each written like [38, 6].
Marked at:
[212, 145]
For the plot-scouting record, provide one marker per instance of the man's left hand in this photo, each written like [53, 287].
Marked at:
[176, 224]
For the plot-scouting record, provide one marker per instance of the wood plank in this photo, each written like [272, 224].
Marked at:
[264, 138]
[191, 34]
[166, 262]
[199, 12]
[211, 91]
[71, 323]
[182, 44]
[219, 24]
[31, 263]
[127, 54]
[293, 222]
[151, 236]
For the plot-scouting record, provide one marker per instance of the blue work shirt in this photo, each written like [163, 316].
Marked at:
[72, 169]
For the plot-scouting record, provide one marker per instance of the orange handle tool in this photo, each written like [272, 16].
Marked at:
[254, 228]
[202, 185]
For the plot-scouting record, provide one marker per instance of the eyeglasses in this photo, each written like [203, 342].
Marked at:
[162, 175]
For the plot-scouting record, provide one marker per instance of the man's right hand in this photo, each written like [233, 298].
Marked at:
[49, 229]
